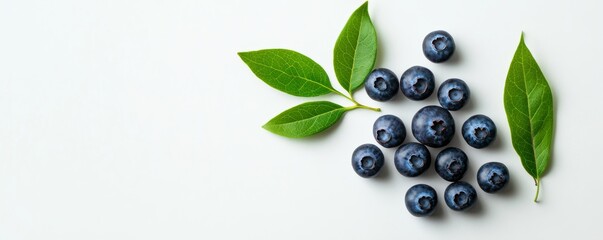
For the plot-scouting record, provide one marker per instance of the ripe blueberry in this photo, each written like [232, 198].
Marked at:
[389, 131]
[417, 83]
[438, 46]
[367, 160]
[453, 94]
[421, 200]
[433, 126]
[479, 131]
[460, 196]
[412, 159]
[451, 164]
[381, 84]
[492, 176]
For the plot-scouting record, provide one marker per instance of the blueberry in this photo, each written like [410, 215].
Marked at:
[417, 83]
[451, 164]
[433, 126]
[421, 200]
[438, 46]
[412, 159]
[381, 84]
[453, 94]
[460, 196]
[479, 131]
[492, 176]
[389, 131]
[367, 160]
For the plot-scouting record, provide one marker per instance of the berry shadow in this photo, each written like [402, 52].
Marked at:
[508, 190]
[498, 144]
[455, 59]
[439, 213]
[468, 107]
[398, 98]
[478, 208]
[384, 174]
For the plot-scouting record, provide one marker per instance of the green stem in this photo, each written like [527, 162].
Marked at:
[537, 189]
[356, 104]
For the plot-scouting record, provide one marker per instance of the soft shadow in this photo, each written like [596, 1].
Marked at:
[469, 105]
[498, 144]
[430, 173]
[510, 189]
[456, 57]
[439, 213]
[457, 139]
[380, 51]
[384, 174]
[478, 208]
[398, 98]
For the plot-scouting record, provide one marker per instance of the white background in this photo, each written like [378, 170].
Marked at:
[137, 120]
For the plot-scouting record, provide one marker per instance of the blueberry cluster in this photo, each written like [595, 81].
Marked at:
[431, 126]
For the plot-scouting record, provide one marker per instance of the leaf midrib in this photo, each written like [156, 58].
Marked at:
[355, 52]
[307, 119]
[525, 83]
[277, 70]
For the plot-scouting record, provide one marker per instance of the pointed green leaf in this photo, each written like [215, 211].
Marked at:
[355, 50]
[529, 107]
[305, 119]
[288, 71]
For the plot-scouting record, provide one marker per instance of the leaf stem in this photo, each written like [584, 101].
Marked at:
[537, 189]
[356, 104]
[362, 106]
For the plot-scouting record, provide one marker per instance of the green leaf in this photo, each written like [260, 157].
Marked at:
[305, 119]
[529, 107]
[288, 71]
[355, 50]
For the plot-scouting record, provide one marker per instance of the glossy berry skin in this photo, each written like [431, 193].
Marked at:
[492, 176]
[451, 164]
[381, 84]
[412, 159]
[453, 94]
[433, 126]
[367, 160]
[479, 131]
[417, 83]
[460, 196]
[438, 46]
[421, 200]
[389, 131]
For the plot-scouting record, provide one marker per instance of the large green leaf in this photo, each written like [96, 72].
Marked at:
[529, 107]
[305, 119]
[288, 71]
[355, 50]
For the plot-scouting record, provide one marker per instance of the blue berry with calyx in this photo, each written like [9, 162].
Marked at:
[451, 164]
[381, 84]
[479, 131]
[417, 83]
[453, 94]
[389, 131]
[412, 159]
[421, 200]
[367, 160]
[460, 196]
[433, 126]
[438, 46]
[492, 176]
